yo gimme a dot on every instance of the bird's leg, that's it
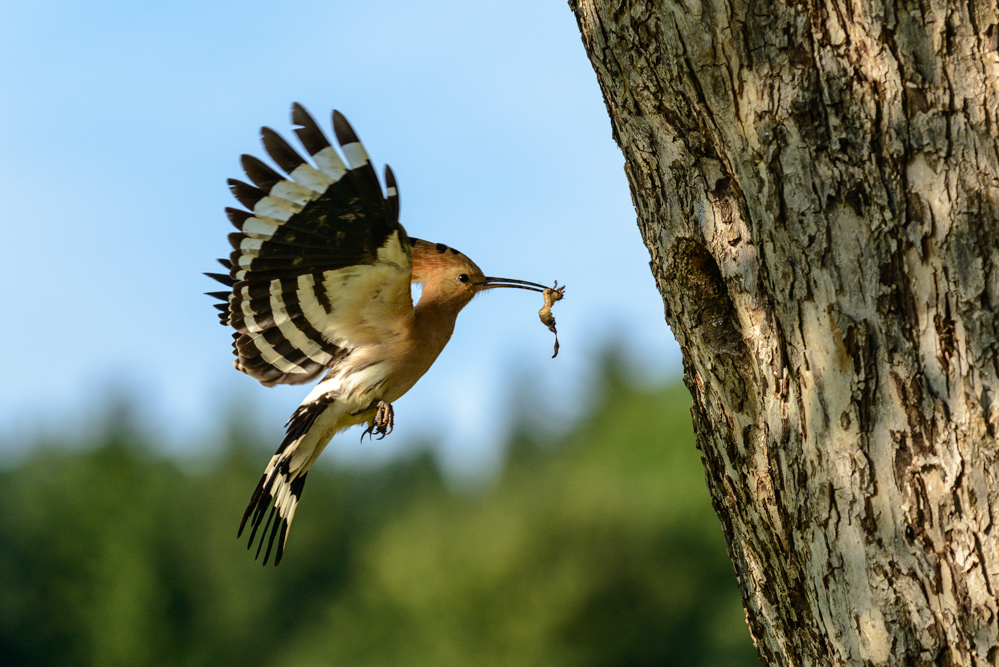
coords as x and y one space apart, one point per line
383 421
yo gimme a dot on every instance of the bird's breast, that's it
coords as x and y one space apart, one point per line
372 373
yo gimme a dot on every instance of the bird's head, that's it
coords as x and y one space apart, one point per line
451 278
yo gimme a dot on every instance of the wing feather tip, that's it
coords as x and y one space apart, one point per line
223 278
262 175
342 129
246 194
280 150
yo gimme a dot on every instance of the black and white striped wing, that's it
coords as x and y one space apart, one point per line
320 262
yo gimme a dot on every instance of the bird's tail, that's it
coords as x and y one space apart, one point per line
280 487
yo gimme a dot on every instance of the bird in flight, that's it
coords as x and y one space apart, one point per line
319 282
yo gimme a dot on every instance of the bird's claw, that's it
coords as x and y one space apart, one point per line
382 423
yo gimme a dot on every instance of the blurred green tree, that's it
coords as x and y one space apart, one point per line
597 548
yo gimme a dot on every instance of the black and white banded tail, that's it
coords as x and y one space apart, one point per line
280 488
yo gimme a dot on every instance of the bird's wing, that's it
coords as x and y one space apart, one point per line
320 264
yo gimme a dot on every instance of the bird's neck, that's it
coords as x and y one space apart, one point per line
434 323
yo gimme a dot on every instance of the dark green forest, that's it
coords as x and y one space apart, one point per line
594 547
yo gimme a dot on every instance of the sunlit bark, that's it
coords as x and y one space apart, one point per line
818 185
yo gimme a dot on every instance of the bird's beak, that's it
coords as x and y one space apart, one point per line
492 283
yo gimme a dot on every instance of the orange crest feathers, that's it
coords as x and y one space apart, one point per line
432 259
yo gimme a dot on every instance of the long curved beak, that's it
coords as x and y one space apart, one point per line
492 283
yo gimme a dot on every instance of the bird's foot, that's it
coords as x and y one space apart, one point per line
382 423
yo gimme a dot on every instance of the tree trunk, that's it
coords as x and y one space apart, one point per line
818 185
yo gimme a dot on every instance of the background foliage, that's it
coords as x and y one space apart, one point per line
597 547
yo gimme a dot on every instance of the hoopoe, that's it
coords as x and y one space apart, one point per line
320 278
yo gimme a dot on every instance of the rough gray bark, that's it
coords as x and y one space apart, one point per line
818 185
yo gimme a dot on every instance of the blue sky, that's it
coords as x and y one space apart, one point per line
120 121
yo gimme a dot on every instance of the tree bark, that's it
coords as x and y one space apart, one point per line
818 186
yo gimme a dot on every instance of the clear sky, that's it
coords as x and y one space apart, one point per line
120 121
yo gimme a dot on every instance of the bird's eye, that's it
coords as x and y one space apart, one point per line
463 278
